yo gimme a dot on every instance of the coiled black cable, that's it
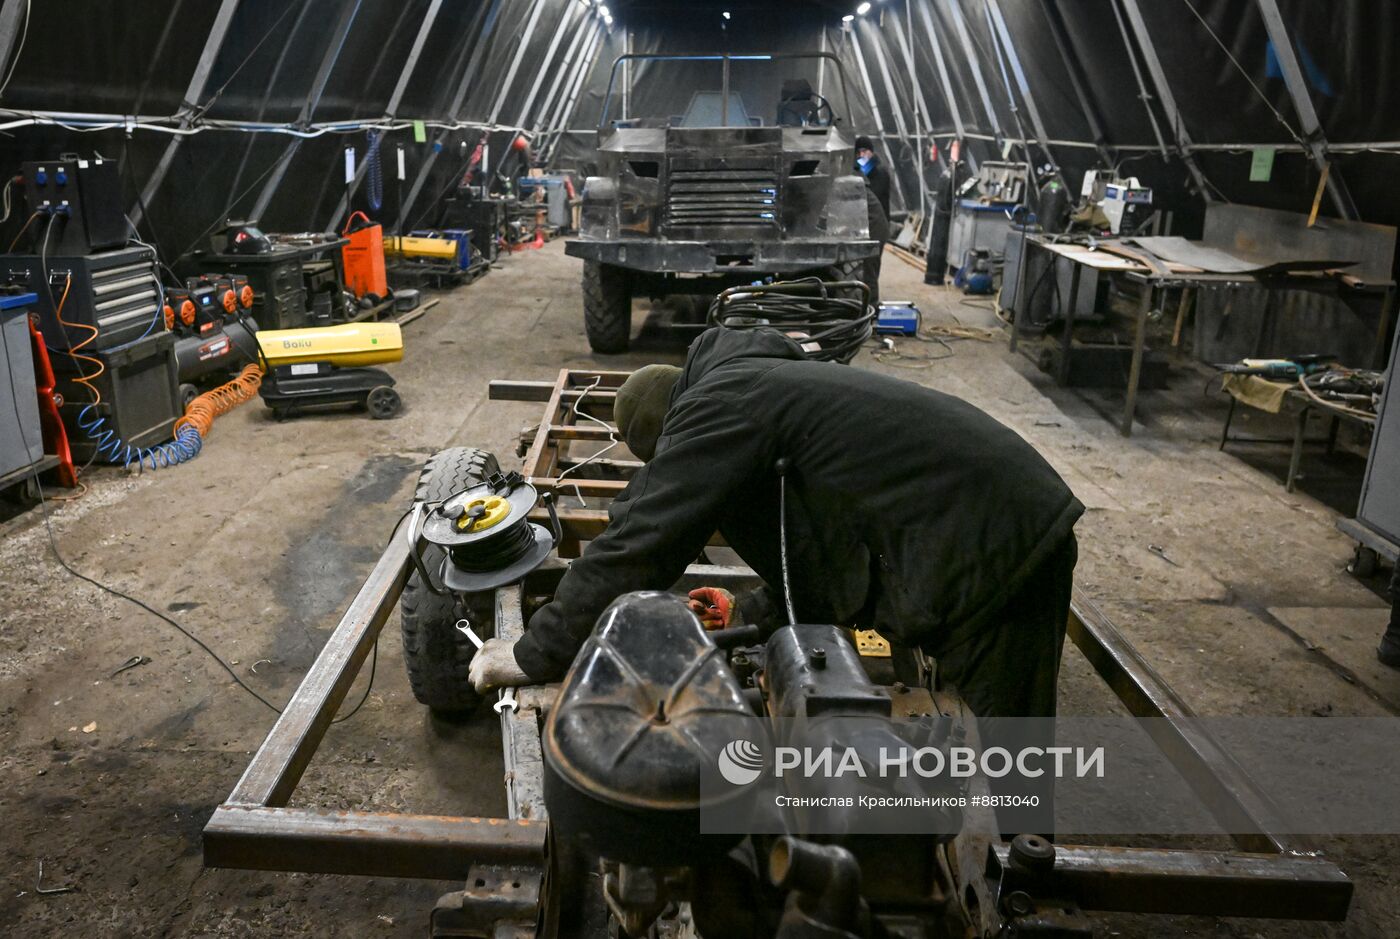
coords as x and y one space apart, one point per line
834 316
497 552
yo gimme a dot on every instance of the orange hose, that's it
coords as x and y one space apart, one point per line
75 353
202 410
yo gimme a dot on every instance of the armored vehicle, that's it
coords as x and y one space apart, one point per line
732 191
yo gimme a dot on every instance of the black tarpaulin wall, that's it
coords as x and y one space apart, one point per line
111 78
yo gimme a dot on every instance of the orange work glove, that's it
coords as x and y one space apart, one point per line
714 606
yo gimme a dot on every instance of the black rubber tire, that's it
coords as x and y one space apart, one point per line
607 307
853 270
436 654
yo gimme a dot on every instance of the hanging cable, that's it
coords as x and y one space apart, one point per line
830 320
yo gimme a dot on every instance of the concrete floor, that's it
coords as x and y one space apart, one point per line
258 544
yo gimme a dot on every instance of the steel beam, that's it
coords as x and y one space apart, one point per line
565 70
944 79
560 29
367 844
414 54
1313 137
1144 95
999 30
567 106
923 120
11 16
459 95
313 98
1164 93
520 728
875 106
520 49
1250 818
391 109
193 92
1193 883
975 64
276 769
878 44
1078 81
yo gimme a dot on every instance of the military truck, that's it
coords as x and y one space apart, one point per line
723 194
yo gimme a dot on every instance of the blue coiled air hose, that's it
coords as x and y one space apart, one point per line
114 449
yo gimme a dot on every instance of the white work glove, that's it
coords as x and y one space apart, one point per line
494 666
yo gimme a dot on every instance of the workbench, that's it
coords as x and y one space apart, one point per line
1301 405
1155 280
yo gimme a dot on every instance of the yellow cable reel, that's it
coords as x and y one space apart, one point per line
481 514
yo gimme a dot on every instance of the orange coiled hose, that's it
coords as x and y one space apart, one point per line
202 410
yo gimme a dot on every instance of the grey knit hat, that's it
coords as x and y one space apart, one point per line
641 404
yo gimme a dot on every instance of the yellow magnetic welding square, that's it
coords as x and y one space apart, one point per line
871 644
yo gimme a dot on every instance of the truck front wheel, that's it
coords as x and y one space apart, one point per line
607 307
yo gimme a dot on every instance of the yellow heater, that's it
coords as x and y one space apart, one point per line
345 345
415 247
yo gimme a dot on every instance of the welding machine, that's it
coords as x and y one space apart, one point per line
897 318
329 365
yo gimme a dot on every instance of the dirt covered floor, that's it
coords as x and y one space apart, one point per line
256 547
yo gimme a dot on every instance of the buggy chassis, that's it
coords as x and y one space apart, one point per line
503 862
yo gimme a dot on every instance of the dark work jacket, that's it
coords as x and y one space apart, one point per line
878 179
909 511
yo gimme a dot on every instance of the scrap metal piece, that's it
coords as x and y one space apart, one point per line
502 902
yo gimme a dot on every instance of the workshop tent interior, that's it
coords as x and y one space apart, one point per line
245 108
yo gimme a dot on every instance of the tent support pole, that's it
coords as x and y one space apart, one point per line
1313 137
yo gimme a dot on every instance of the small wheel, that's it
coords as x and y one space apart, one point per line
383 402
1365 562
188 393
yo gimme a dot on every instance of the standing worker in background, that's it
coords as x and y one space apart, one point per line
877 204
876 176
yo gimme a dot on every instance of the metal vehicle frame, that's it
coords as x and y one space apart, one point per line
503 861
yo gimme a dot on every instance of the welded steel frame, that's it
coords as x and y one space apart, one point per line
1270 875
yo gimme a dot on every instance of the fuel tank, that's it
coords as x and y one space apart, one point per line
345 345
